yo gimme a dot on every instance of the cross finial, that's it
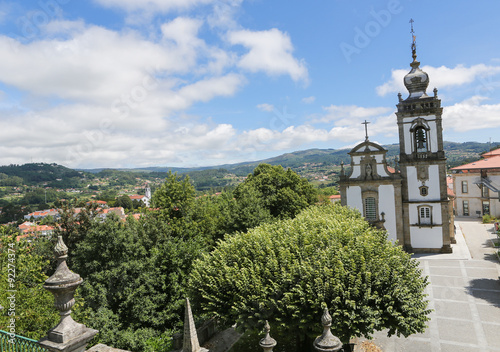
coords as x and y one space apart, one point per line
366 129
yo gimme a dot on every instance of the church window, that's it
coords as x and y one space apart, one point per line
424 215
370 209
465 187
465 206
421 139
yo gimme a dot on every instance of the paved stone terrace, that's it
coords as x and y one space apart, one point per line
464 293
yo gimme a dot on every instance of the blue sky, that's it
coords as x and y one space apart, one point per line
129 83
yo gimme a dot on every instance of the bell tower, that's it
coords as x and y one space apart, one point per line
426 220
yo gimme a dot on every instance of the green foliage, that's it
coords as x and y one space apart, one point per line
40 195
35 173
287 271
33 306
135 278
174 196
125 202
283 192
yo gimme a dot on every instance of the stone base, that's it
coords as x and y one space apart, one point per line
103 348
77 344
445 249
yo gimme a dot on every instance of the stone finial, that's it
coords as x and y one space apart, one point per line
435 92
342 172
190 342
267 343
68 335
327 342
400 99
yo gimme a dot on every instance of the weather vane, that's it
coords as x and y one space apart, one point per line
413 43
366 129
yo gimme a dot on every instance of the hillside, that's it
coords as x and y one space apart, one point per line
51 175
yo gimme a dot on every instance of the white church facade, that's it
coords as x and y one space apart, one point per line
411 203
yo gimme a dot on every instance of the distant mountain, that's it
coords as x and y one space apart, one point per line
456 153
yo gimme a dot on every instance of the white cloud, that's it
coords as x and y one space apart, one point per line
308 100
470 114
269 51
153 5
439 77
265 107
346 114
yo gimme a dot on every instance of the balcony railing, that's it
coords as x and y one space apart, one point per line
16 343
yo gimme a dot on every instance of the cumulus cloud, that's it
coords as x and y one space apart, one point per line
440 77
269 51
471 114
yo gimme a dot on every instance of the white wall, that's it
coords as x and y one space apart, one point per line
432 183
426 237
353 194
436 212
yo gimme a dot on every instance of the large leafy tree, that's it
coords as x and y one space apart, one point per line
135 276
288 271
283 192
22 295
174 196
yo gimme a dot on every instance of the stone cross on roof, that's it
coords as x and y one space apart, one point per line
366 129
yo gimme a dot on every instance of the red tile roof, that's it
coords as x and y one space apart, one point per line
491 153
486 163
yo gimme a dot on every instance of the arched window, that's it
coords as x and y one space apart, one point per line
421 139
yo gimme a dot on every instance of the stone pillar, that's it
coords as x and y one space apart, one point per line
267 343
327 342
68 335
190 343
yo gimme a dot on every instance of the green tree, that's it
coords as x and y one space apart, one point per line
283 192
135 279
21 284
174 196
125 202
288 271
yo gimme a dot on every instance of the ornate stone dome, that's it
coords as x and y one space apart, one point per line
416 81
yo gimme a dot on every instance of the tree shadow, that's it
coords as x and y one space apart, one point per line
491 257
486 290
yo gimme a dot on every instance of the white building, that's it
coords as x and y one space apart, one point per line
412 204
477 186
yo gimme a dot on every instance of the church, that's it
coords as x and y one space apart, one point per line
410 202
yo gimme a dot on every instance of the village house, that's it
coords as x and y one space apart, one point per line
477 186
